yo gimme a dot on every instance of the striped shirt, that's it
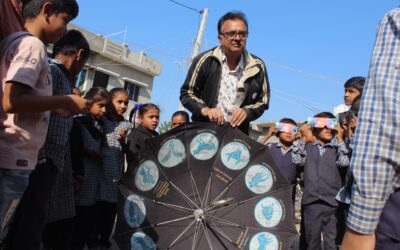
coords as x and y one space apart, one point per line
299 153
280 145
375 163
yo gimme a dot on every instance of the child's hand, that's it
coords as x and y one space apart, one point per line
298 135
78 105
353 123
122 133
271 131
340 132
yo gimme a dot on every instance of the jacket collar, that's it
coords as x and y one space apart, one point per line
250 63
144 130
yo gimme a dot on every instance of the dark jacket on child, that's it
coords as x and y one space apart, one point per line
322 178
135 142
87 135
284 162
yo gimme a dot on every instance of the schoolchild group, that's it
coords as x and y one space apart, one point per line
319 151
59 173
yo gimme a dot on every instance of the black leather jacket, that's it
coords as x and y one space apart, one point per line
201 86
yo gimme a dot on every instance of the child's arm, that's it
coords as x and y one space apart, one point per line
76 146
269 134
343 159
18 98
299 153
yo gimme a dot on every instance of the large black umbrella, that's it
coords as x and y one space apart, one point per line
203 186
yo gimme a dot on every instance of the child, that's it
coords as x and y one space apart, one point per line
115 127
285 130
321 161
149 115
87 140
353 88
25 95
179 117
305 133
344 194
70 54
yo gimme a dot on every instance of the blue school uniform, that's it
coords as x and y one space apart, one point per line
283 159
322 181
92 138
113 161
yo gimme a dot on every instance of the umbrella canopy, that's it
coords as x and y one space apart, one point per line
203 186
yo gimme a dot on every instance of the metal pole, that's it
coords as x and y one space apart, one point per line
199 39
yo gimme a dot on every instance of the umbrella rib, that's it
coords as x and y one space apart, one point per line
196 234
206 234
176 207
245 226
181 234
194 186
226 221
172 221
253 198
184 195
220 232
207 191
289 229
235 180
157 224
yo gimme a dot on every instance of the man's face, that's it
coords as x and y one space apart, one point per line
350 94
233 36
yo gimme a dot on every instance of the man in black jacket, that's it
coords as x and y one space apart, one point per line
226 83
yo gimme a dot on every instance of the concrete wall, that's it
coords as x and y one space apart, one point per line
120 64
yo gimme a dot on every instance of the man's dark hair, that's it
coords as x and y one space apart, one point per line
31 8
325 115
71 43
287 120
230 16
356 82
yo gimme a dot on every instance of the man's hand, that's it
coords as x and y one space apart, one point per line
238 117
214 115
355 241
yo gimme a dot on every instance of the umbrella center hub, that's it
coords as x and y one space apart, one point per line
199 214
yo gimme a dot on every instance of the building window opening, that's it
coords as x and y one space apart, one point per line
133 91
100 79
